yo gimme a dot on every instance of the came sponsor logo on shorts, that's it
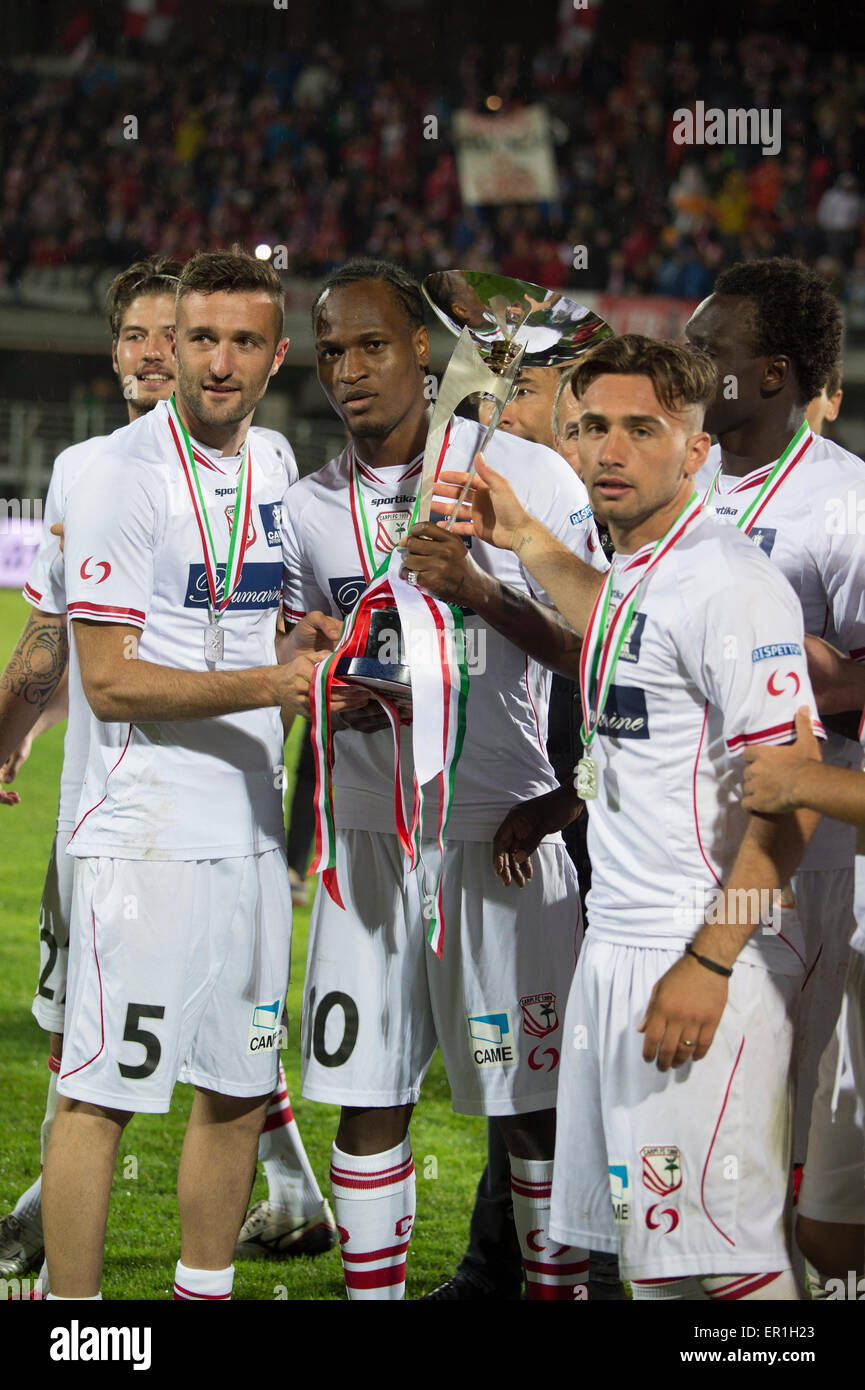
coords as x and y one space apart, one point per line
491 1039
620 1193
264 1031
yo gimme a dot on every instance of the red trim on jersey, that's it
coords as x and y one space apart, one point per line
366 472
721 1233
773 735
751 480
63 1075
293 613
205 461
813 967
31 594
367 1256
99 803
532 703
107 613
694 796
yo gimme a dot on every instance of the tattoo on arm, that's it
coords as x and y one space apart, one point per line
524 541
35 668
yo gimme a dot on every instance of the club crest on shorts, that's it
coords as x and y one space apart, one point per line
662 1168
491 1039
265 1033
539 1014
620 1193
392 526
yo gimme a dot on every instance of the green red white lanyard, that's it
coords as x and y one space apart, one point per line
220 594
371 567
603 644
782 469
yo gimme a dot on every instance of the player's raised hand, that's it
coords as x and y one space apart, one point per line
496 512
771 773
683 1014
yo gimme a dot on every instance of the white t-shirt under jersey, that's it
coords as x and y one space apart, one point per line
46 591
504 758
808 528
714 661
191 789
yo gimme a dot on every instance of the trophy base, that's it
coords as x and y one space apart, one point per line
391 680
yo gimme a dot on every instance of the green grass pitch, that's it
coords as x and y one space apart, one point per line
143 1239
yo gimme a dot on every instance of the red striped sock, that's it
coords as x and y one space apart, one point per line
552 1270
202 1285
374 1203
729 1288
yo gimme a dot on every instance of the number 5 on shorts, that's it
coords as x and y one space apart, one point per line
149 1041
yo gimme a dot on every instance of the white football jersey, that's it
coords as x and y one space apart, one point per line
504 758
813 529
46 591
191 789
713 662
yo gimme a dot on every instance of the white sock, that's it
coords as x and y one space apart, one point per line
202 1285
50 1107
553 1271
374 1202
757 1288
87 1298
291 1183
653 1290
28 1208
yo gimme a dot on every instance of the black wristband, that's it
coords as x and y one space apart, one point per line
709 964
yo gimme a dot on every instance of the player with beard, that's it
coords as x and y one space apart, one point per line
377 998
773 329
177 663
674 689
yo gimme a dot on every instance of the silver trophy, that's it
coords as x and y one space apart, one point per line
502 325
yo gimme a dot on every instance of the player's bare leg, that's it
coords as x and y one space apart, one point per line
372 1178
76 1188
553 1270
217 1165
295 1218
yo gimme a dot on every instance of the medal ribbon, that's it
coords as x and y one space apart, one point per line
239 522
450 697
781 470
602 645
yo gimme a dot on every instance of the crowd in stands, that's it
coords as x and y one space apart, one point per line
324 153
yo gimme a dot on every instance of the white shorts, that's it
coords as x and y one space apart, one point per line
833 1183
684 1172
54 913
825 902
377 999
177 970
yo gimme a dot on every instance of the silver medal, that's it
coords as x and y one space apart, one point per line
214 642
586 780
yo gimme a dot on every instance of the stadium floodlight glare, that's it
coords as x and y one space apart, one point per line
263 252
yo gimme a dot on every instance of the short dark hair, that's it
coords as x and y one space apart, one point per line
401 284
232 272
155 275
834 379
795 313
681 377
